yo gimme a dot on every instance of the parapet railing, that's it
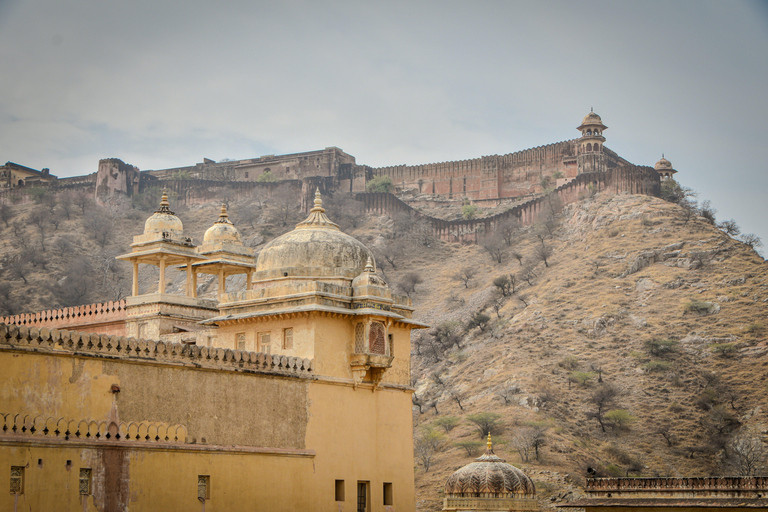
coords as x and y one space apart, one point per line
77 315
71 430
150 351
717 483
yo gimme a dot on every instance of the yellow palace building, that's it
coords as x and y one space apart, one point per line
292 394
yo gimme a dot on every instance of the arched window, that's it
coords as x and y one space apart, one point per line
589 147
377 340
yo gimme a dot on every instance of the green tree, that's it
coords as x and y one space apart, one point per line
469 211
447 423
266 177
486 422
619 419
380 184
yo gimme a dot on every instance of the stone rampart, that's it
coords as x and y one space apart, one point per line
103 317
63 342
621 180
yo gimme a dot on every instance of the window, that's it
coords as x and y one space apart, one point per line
288 340
85 481
362 496
339 490
240 341
246 174
388 493
264 342
203 487
376 338
17 479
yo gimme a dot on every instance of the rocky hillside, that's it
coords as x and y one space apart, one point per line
638 348
624 336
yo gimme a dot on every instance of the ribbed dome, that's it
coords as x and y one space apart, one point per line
592 120
223 231
489 475
164 220
316 247
663 164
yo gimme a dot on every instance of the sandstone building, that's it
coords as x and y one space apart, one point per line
292 394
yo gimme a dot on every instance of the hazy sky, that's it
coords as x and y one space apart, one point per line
166 83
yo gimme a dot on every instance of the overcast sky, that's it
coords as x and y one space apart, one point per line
165 83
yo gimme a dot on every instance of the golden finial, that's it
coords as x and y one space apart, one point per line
490 444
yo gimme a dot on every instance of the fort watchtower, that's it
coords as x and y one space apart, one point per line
589 148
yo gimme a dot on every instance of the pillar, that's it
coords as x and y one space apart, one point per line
189 278
194 284
135 287
248 280
222 282
161 281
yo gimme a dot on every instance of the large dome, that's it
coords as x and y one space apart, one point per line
592 120
223 231
489 476
164 220
317 247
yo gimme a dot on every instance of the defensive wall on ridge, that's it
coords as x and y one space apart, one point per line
619 180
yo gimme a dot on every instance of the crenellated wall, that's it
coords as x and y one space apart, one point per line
620 180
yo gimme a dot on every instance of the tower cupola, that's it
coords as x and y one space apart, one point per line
590 156
664 168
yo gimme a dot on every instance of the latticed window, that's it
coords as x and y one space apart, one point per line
17 479
241 341
85 481
377 338
265 343
360 338
288 338
203 487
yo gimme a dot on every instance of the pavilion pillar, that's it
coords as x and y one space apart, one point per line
135 286
189 278
194 284
248 280
161 281
222 282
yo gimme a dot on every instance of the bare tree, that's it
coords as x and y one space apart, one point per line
465 275
39 218
527 274
518 256
707 211
409 281
393 252
664 429
283 207
6 213
99 226
602 399
507 229
730 227
458 397
83 201
495 246
479 320
748 454
17 266
496 302
543 253
427 443
522 440
506 391
751 240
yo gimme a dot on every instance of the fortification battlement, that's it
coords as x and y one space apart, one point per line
77 315
698 484
72 343
63 429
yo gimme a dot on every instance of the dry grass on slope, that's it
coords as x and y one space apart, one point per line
587 317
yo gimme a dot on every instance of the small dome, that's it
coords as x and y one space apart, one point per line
663 164
592 120
164 220
489 475
317 247
223 231
368 277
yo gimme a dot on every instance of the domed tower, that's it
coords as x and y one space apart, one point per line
490 484
664 168
589 148
224 253
163 244
316 295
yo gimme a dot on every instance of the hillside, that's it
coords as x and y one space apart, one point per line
639 309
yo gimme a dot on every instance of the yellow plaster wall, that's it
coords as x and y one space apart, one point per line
303 335
362 435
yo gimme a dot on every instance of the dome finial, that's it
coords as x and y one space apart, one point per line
490 444
164 204
223 216
318 202
317 216
368 265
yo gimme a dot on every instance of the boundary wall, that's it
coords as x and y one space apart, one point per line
621 180
103 317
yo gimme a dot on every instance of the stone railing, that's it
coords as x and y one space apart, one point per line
78 315
705 485
490 503
72 430
148 351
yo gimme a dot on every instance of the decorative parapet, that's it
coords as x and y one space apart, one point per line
724 486
56 341
490 503
105 431
79 315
